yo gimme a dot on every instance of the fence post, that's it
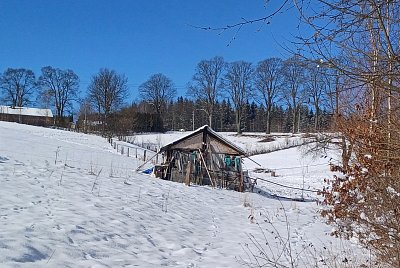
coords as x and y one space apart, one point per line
128 151
115 144
136 152
122 150
144 155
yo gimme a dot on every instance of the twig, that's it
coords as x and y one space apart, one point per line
62 173
57 151
244 21
50 256
165 207
95 181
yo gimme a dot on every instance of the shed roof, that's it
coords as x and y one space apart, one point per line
195 141
26 111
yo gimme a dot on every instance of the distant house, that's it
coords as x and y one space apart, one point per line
24 115
203 157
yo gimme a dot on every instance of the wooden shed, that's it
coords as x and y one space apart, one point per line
203 157
24 115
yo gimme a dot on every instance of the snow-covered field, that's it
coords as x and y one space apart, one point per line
70 200
252 143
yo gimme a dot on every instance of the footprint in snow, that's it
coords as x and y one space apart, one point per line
32 255
70 240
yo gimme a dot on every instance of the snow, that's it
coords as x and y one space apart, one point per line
251 143
26 111
71 200
392 191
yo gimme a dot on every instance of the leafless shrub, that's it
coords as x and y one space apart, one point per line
274 247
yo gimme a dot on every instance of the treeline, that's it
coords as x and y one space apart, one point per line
186 114
289 95
273 95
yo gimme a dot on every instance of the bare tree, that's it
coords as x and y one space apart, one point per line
18 86
107 92
206 87
293 89
268 80
61 87
85 112
362 202
316 85
158 90
238 83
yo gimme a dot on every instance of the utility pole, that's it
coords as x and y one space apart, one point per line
193 120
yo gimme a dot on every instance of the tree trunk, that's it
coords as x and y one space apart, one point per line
316 121
294 120
268 123
238 122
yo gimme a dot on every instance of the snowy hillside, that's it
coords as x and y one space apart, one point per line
70 200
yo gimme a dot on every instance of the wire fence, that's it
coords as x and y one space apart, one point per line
287 186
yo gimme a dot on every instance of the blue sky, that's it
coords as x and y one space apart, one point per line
136 38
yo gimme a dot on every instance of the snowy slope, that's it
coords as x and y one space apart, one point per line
70 200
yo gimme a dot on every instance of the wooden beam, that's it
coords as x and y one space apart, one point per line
139 167
208 172
248 157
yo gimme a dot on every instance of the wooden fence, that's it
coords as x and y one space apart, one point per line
129 150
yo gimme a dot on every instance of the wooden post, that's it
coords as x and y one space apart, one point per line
241 187
122 150
115 145
188 173
128 151
240 169
144 155
205 166
136 152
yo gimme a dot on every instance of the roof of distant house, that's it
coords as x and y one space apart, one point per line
26 111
